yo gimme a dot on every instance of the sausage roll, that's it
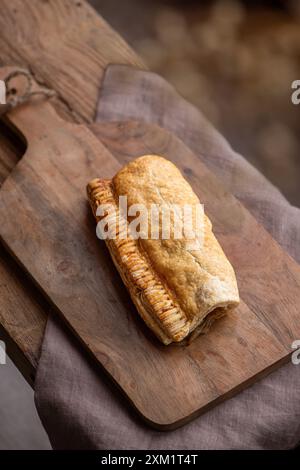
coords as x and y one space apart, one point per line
179 280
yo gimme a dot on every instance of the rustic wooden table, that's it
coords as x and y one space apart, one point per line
67 46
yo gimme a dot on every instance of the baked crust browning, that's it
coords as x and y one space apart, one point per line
159 310
178 288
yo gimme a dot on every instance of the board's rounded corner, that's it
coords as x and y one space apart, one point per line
165 425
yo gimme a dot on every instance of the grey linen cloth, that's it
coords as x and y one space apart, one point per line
77 404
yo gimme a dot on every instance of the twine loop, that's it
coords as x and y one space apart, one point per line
14 99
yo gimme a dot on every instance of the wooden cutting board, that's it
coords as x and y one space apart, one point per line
47 225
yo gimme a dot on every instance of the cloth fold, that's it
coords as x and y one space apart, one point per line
77 404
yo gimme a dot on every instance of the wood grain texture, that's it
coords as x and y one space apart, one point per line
67 45
11 150
23 310
23 316
45 195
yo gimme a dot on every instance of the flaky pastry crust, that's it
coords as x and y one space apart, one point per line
178 287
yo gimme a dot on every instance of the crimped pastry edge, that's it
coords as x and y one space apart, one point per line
190 330
168 321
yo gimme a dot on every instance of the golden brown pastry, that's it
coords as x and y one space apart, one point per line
179 285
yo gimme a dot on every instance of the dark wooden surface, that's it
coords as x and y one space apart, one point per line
67 45
44 203
23 310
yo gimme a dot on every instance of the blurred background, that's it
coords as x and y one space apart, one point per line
233 59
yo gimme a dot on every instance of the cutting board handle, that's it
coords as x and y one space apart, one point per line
31 118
